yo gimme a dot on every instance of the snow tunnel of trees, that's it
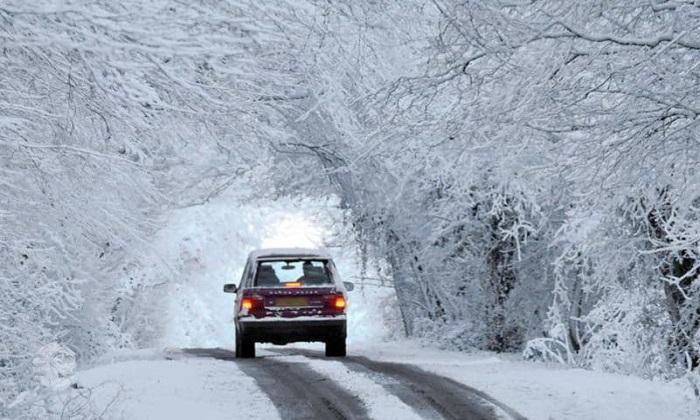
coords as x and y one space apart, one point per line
524 174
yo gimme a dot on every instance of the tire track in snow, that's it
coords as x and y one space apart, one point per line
429 394
297 391
380 403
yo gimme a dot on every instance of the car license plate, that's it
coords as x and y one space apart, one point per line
292 301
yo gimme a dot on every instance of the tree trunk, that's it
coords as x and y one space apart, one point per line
680 290
501 279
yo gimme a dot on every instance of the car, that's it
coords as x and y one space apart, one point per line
288 295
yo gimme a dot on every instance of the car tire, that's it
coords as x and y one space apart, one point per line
336 348
245 347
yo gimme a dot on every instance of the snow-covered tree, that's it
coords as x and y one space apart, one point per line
526 170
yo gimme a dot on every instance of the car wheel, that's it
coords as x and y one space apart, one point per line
245 347
336 348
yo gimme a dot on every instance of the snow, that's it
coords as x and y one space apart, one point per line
54 364
175 389
142 384
438 160
148 386
547 391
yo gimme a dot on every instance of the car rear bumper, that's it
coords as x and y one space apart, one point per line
288 330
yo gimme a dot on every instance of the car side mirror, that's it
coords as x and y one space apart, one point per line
349 286
230 288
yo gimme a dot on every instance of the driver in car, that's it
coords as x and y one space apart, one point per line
312 275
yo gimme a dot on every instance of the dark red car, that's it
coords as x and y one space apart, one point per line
289 295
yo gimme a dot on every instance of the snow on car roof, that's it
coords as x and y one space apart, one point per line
288 252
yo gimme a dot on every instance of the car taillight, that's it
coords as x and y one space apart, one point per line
247 303
337 302
251 303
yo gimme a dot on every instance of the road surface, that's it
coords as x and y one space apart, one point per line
300 392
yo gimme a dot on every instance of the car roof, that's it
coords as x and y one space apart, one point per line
289 252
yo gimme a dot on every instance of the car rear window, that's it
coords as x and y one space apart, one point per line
293 273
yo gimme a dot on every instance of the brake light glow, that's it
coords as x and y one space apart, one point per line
292 284
339 302
247 303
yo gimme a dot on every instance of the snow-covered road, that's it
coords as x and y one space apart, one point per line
387 381
286 383
305 385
